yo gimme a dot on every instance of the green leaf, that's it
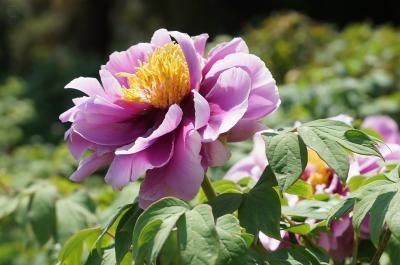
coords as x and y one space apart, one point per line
301 188
377 215
221 186
7 205
287 256
261 209
71 217
225 203
309 209
109 224
153 228
197 237
42 213
124 232
329 151
301 229
71 252
232 245
327 137
287 156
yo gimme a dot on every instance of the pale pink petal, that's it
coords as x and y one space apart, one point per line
216 153
127 61
223 49
183 174
202 110
200 43
244 129
111 85
194 64
126 168
89 86
160 38
90 164
171 121
384 125
264 97
226 111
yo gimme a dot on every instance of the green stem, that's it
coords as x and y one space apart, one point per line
355 249
381 247
208 188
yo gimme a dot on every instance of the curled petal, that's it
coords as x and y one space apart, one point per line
127 61
90 164
221 50
160 38
202 110
228 100
125 168
200 43
181 176
244 129
171 121
191 57
89 86
264 97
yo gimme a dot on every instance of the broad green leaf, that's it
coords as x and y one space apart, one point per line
225 203
169 254
124 232
7 205
71 217
393 215
308 209
72 250
232 245
287 256
287 156
377 215
42 213
110 223
221 186
327 149
301 188
327 137
153 227
301 229
197 237
261 209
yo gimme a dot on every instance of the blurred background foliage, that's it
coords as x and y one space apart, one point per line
325 63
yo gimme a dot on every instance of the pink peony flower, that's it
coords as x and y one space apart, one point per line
165 111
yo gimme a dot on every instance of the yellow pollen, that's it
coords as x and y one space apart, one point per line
322 173
162 81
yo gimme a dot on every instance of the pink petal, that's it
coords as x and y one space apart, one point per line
111 85
183 174
171 121
244 129
202 110
228 100
127 61
200 43
264 97
216 153
384 125
221 50
160 38
125 168
89 86
90 164
192 60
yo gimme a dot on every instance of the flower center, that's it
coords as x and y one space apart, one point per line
321 173
162 81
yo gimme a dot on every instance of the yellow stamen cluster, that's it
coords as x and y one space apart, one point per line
162 81
322 173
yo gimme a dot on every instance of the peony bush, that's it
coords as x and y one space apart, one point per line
164 113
